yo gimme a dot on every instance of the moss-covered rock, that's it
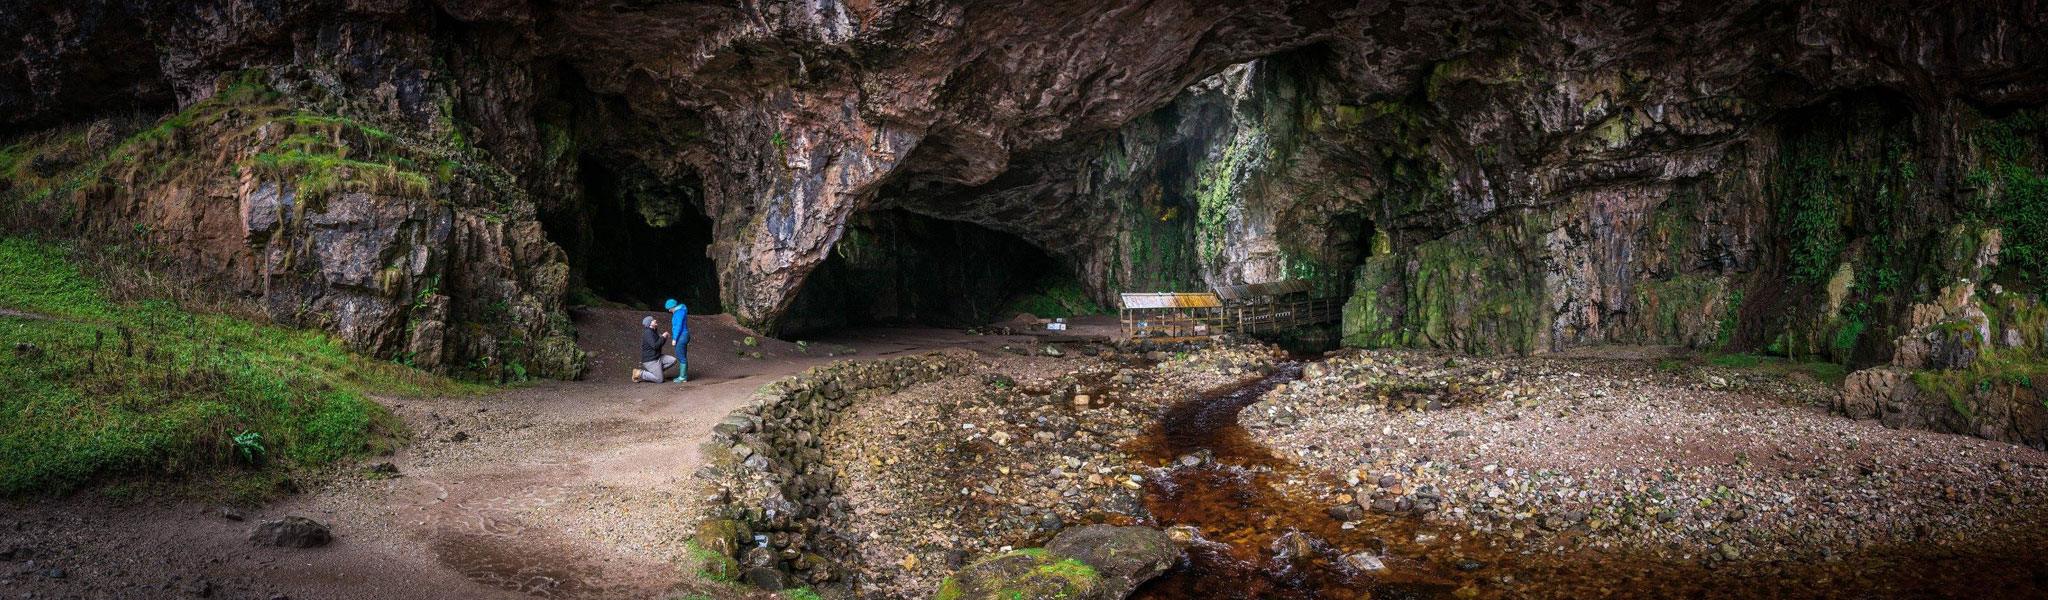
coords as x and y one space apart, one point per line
710 564
1124 556
1027 574
1096 561
1476 290
723 536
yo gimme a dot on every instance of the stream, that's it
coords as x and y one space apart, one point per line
1260 539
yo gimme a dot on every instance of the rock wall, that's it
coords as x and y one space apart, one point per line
1968 360
1481 175
1554 178
769 474
400 247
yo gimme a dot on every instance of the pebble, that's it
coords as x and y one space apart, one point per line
1365 562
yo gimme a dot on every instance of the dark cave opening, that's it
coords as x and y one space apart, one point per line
898 267
637 240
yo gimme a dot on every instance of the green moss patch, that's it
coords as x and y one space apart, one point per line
1469 291
2013 189
1023 574
100 389
711 565
244 128
1825 372
1056 297
1960 388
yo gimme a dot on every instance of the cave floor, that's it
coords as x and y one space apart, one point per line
584 489
556 489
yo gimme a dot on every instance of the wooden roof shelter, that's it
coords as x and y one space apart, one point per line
1250 309
1170 316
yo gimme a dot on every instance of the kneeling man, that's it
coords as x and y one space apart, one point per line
653 364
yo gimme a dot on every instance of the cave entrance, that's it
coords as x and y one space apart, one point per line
637 239
898 267
1349 245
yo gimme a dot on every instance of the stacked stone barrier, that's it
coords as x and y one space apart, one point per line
777 507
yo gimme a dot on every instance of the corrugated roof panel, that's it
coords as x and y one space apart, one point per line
1171 300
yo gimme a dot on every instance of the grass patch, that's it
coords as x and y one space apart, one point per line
802 593
1737 361
318 154
103 389
1984 376
1830 373
1055 297
710 564
321 171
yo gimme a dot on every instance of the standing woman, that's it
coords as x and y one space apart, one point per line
679 331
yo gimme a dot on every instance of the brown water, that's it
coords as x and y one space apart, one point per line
1238 502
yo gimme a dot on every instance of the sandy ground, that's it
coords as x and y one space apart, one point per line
555 490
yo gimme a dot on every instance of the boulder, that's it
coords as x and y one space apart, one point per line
1027 574
1092 562
723 536
1124 556
766 578
292 532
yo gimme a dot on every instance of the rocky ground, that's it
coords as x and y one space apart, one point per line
954 470
1674 465
1582 476
1585 476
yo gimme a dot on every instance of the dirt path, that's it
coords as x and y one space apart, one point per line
7 312
557 490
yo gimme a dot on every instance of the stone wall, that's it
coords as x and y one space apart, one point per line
777 501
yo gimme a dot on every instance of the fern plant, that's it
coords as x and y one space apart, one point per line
249 446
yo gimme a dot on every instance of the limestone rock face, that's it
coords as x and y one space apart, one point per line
1479 175
318 221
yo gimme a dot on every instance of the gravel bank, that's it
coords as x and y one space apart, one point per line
1692 466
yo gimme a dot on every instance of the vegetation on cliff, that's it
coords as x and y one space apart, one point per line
2014 188
245 190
